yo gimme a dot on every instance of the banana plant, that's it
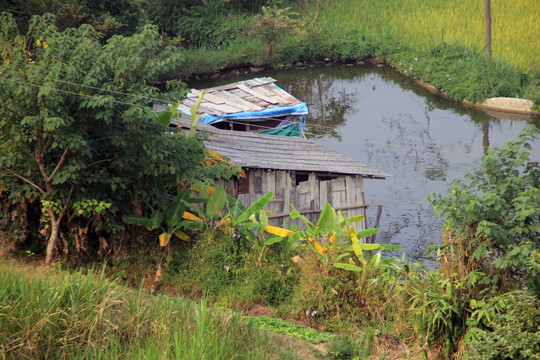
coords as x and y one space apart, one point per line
165 117
331 229
170 218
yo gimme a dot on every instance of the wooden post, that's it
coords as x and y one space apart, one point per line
487 15
377 222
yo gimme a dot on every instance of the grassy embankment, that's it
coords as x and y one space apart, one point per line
438 42
49 314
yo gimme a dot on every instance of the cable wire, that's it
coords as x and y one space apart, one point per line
269 127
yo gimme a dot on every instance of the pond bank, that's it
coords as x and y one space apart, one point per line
498 107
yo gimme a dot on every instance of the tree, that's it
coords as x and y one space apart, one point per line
77 133
493 237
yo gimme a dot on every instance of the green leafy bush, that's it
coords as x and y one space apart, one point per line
504 327
77 128
493 219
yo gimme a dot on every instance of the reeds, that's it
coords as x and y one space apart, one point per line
73 316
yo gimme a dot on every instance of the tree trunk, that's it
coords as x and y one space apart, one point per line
487 15
53 238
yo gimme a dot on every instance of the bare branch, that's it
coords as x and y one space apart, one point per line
99 162
62 159
34 185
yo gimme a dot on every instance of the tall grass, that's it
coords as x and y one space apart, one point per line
73 316
515 28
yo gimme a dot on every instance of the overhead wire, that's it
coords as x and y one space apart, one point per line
107 99
78 94
102 89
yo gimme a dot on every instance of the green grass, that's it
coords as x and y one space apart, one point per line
280 326
441 39
515 27
58 315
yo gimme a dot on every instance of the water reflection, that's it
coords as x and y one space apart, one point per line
384 120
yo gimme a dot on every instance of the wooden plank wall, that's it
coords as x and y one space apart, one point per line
309 196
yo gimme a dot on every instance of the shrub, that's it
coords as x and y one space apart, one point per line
492 218
505 327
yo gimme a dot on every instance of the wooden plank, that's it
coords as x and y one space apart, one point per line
287 194
338 190
222 87
270 181
258 183
206 108
257 94
323 192
350 188
207 96
238 102
281 179
264 184
301 195
317 211
251 98
243 199
218 109
314 191
360 185
261 89
183 107
285 96
252 173
329 197
188 102
260 81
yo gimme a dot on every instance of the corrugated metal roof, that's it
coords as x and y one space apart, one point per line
259 151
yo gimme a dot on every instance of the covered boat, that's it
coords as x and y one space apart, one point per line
256 105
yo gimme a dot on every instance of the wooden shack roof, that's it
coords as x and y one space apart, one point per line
249 95
259 151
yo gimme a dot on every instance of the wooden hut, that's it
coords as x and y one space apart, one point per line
257 105
296 170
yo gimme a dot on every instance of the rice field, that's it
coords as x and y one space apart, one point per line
515 24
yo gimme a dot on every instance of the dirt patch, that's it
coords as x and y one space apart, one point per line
259 310
308 351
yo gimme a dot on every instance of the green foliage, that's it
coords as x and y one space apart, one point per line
73 131
493 219
209 25
490 247
271 24
280 326
57 315
274 283
108 17
332 230
438 308
342 347
504 327
462 72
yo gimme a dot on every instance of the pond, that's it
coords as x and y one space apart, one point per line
391 124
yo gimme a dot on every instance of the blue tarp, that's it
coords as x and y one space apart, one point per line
299 110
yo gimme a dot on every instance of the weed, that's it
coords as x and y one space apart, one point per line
342 347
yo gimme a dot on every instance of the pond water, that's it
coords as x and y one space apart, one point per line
391 124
